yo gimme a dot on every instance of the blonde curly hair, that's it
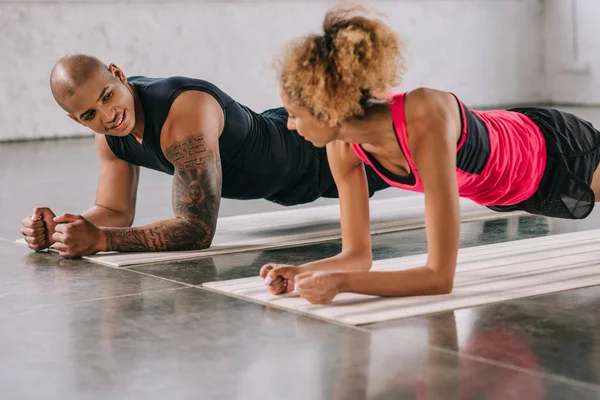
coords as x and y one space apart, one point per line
332 74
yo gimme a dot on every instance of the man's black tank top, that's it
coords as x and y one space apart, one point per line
260 157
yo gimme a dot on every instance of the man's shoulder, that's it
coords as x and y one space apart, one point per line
195 103
169 85
193 113
165 92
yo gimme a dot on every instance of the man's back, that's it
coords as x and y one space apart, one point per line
260 157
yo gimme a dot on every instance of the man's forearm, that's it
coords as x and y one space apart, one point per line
104 217
168 235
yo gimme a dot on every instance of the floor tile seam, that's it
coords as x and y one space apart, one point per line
42 306
558 378
121 268
10 241
187 285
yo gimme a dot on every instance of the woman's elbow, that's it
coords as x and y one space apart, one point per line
360 261
443 284
444 287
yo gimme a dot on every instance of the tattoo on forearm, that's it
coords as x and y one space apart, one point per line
196 198
136 239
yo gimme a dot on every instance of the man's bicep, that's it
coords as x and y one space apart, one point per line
197 181
190 141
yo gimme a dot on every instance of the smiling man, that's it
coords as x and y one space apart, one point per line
212 145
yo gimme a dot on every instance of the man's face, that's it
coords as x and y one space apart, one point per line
104 103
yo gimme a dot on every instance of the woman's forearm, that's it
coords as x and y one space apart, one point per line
411 282
340 262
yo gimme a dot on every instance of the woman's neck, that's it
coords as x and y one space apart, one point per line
374 129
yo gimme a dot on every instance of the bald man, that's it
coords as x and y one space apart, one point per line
212 145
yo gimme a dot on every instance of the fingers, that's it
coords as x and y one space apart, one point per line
298 279
59 236
36 242
61 248
278 286
265 270
285 278
279 278
32 221
318 287
273 272
40 210
271 277
308 288
62 228
276 278
43 213
67 218
35 239
33 232
64 250
285 272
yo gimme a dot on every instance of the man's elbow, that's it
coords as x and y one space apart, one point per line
128 220
199 237
203 245
128 216
191 245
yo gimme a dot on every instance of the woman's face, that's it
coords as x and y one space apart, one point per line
300 119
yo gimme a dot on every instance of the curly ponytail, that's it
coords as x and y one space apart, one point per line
332 74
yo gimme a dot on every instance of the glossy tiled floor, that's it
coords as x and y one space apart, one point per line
74 330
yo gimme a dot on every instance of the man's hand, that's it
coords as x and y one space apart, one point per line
75 236
38 228
279 278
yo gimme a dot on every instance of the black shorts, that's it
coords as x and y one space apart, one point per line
573 153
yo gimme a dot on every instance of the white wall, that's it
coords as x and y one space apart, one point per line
487 51
572 49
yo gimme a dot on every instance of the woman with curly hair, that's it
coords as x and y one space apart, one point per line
336 88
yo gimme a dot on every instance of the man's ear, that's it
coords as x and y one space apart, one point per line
117 73
74 118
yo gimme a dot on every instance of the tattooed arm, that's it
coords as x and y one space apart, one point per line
190 141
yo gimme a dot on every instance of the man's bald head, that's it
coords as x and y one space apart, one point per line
72 71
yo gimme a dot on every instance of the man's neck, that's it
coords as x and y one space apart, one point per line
138 129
